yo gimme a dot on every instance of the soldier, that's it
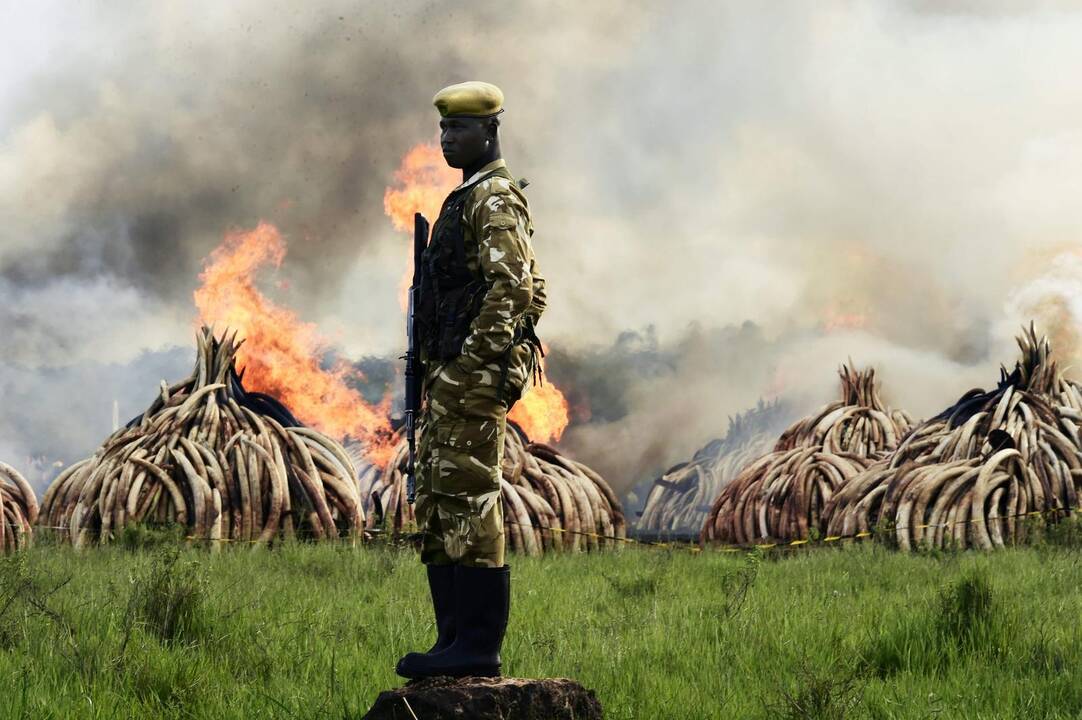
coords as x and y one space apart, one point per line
481 296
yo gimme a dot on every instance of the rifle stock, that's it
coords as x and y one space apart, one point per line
414 368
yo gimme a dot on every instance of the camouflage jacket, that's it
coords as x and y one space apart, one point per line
497 230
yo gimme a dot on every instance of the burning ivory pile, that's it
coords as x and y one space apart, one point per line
973 475
18 510
550 502
782 495
225 463
681 497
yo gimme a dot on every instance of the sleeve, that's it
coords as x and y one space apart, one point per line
501 222
540 297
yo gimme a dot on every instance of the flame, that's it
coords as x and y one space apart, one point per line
542 413
282 353
422 181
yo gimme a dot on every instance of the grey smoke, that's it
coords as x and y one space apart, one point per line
638 405
64 413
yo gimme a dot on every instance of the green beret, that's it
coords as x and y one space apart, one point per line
469 99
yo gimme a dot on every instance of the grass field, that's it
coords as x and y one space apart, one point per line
314 632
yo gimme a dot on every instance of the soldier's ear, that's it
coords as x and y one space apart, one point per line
493 128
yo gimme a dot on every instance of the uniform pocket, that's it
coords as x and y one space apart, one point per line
467 456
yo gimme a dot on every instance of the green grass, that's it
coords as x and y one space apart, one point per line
314 632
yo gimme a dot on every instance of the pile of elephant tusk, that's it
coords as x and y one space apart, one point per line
681 497
783 495
969 476
18 510
551 503
224 463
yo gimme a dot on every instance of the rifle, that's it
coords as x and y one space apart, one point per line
414 369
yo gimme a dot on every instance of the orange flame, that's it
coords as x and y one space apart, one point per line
282 353
423 180
542 413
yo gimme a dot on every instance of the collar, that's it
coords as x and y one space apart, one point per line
494 165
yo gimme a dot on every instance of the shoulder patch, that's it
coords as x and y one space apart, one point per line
502 221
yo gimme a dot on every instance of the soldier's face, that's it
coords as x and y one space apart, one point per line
463 140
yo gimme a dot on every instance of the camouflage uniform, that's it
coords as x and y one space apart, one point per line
464 420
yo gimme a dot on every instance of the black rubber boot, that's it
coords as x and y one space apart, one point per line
483 603
441 584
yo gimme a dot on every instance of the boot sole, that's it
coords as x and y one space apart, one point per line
475 671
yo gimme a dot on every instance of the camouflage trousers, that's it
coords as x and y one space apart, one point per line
459 508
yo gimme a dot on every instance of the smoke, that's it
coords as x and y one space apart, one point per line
1053 300
210 119
61 414
693 165
638 405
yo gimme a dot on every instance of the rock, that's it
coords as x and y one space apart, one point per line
446 698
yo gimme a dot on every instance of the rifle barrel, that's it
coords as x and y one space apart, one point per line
414 370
